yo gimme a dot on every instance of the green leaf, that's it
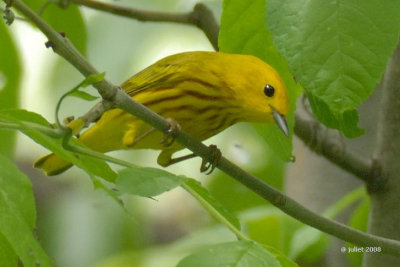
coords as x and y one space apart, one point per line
83 95
282 258
239 254
243 30
345 122
80 94
66 19
87 163
10 75
278 142
93 78
8 257
89 80
109 190
146 182
16 115
18 215
264 225
338 50
214 207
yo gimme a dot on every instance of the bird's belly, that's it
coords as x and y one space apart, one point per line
117 129
196 127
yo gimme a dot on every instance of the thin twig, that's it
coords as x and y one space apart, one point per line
201 16
95 154
4 11
96 111
27 126
123 101
44 6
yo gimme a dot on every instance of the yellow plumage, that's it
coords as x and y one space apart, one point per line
205 92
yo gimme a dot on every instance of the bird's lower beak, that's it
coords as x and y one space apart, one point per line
281 122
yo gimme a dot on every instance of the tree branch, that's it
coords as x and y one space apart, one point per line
122 100
313 134
95 112
384 214
201 16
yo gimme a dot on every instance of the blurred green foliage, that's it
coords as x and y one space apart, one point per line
10 77
80 226
66 19
17 219
359 220
242 253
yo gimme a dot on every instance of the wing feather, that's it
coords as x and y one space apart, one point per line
168 72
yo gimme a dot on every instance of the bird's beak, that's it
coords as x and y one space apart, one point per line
280 121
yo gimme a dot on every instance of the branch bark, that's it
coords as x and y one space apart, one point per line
313 134
201 16
112 94
384 219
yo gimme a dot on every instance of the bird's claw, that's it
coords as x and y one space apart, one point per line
169 137
209 166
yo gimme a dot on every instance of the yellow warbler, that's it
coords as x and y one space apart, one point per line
204 92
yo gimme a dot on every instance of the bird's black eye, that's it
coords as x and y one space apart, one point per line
269 90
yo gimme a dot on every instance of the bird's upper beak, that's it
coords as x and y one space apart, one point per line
281 122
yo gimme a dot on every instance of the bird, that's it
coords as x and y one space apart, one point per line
201 93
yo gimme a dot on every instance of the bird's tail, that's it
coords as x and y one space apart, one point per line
52 164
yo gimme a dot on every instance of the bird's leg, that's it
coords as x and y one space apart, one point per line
174 127
169 137
165 159
209 166
139 138
165 162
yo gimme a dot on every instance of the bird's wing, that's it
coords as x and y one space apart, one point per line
158 75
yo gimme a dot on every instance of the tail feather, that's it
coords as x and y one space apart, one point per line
52 164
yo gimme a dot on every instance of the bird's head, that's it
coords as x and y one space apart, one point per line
262 93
